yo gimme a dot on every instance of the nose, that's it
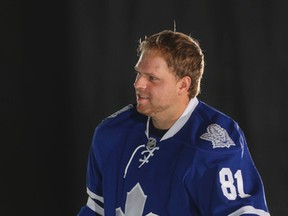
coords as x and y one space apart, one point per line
140 82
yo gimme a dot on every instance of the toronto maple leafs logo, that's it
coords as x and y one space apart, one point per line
135 203
218 136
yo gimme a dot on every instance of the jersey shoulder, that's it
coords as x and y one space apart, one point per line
122 118
123 123
114 131
216 131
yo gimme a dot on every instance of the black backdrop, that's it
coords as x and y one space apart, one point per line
65 65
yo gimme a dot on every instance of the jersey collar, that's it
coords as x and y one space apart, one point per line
179 123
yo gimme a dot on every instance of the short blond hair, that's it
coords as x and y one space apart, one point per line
182 54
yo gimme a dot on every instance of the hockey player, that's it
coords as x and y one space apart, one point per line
171 154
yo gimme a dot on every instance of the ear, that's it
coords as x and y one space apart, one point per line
184 85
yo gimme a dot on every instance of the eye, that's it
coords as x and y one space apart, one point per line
151 78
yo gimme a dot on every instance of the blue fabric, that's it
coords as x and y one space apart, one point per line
187 175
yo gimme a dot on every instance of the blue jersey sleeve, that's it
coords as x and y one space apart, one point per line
95 202
227 180
98 154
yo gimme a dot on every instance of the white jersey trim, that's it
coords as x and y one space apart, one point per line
95 196
179 123
94 206
170 133
249 210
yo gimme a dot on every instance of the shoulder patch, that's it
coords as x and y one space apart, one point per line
130 106
218 136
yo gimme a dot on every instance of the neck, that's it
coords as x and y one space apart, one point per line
165 121
164 124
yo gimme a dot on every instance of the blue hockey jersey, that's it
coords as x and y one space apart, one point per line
201 166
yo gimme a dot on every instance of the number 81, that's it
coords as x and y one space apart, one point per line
227 184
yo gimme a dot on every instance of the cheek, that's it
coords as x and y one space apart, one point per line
164 94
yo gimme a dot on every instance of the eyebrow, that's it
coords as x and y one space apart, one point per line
146 73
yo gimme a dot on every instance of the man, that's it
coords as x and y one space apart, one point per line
172 154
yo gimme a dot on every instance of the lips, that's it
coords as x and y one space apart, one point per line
141 97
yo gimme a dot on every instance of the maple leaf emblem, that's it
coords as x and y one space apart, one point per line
135 202
218 136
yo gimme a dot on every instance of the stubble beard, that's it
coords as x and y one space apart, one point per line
151 109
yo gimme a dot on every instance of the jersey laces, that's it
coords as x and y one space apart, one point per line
147 153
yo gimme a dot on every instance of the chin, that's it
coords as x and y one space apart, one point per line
142 110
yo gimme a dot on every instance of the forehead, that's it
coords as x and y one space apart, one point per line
151 61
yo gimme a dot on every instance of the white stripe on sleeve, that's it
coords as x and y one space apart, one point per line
95 196
95 207
249 210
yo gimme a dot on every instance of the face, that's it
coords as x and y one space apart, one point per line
157 88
